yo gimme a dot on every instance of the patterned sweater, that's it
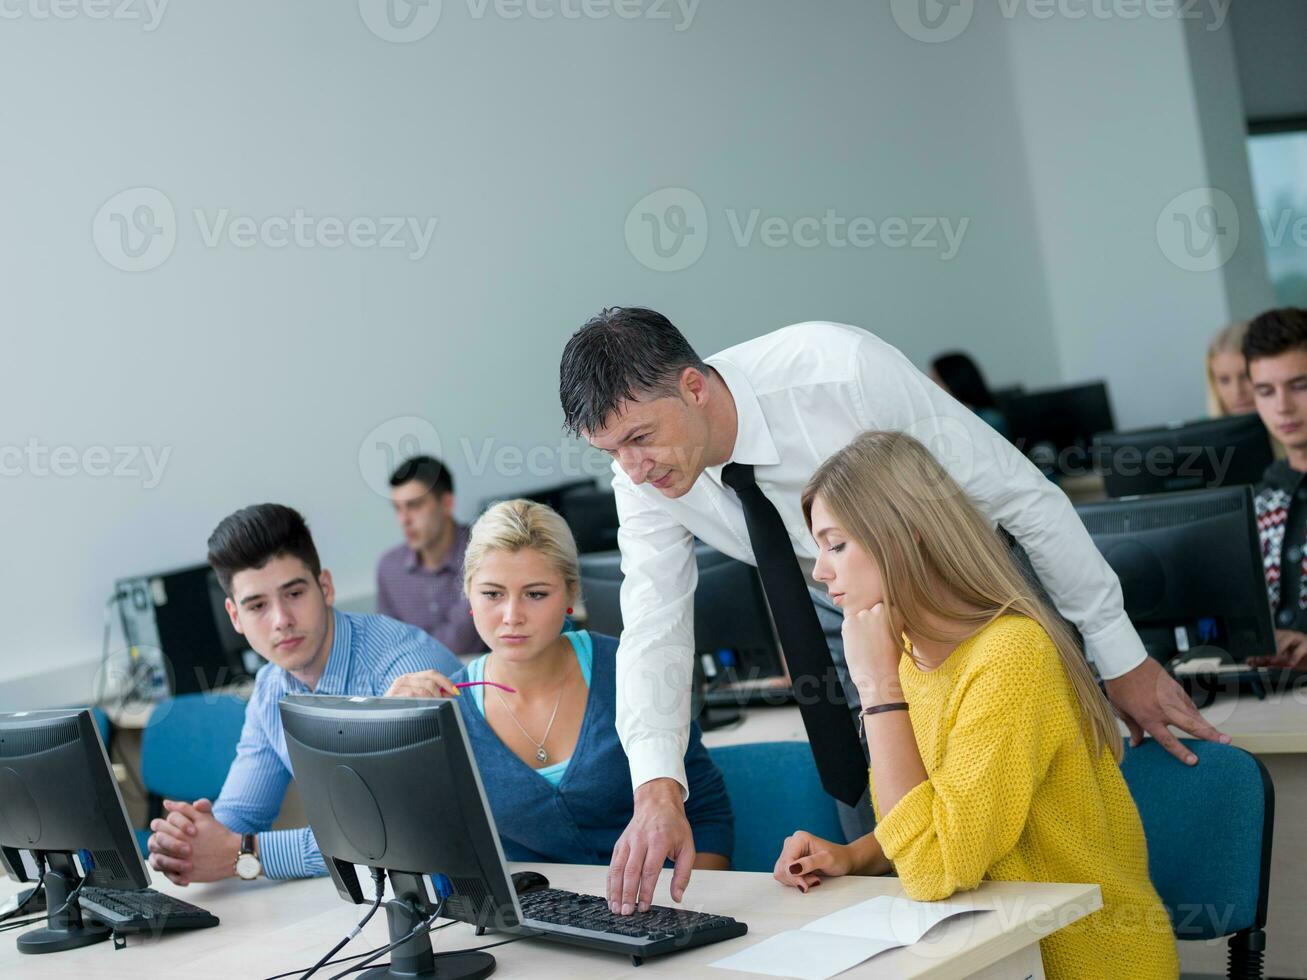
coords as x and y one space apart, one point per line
1013 793
1281 501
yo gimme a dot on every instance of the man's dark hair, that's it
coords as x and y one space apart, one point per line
624 353
253 536
1274 332
428 471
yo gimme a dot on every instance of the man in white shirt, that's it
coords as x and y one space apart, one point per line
633 386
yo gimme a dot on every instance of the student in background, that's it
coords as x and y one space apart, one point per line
1275 347
993 752
960 376
420 581
1229 391
279 597
553 767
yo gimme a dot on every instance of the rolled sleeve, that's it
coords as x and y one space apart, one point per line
290 854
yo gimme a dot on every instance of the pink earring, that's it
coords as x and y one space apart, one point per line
569 610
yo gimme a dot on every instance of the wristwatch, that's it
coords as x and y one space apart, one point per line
247 862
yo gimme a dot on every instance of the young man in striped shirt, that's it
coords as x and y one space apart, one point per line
280 599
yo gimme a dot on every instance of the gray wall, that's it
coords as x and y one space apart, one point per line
274 372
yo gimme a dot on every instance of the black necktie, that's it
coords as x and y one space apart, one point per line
835 746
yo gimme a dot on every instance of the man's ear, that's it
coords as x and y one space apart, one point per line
694 385
447 505
231 614
328 587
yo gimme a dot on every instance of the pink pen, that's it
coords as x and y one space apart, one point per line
502 687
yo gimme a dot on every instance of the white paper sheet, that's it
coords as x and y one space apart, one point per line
839 941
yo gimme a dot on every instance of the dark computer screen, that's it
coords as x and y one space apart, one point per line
1190 565
591 514
1056 427
1195 455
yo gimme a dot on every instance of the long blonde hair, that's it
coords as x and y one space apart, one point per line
512 525
895 499
1228 340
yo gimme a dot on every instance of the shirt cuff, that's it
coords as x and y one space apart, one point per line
1115 649
903 824
658 758
290 854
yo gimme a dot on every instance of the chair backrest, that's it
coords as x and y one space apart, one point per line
774 790
189 744
1208 829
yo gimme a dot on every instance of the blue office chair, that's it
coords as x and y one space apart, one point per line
187 748
103 724
774 790
1208 829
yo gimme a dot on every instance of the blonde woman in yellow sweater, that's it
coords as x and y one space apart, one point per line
993 752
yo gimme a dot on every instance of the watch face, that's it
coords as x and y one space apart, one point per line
247 866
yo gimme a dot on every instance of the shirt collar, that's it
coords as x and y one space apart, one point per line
753 441
1282 476
335 676
453 557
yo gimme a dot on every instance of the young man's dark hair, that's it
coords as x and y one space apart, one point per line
625 352
1274 332
253 536
428 471
961 375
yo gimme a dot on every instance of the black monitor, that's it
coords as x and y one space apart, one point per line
591 513
1190 565
739 658
1056 427
1186 456
391 783
552 495
60 809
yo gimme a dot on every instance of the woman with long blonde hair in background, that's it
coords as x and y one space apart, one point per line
1229 392
994 755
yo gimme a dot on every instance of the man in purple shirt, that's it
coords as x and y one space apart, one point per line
421 581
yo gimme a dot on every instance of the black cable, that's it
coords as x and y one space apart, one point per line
378 878
422 927
40 887
21 923
455 952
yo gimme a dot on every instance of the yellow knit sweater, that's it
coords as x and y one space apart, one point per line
1014 794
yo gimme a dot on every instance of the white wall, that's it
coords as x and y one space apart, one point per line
264 371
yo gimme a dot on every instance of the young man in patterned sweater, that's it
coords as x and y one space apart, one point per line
1275 348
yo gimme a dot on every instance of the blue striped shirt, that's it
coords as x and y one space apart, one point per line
367 654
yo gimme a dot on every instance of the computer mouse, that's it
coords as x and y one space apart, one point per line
525 882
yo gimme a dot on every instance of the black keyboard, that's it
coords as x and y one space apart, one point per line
143 911
584 920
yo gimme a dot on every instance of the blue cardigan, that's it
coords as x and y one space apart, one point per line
579 820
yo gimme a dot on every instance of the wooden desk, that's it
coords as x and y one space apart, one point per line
1274 730
268 928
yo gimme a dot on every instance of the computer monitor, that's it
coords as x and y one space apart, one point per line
1186 456
60 807
181 614
552 495
1056 427
591 514
739 656
391 783
1190 565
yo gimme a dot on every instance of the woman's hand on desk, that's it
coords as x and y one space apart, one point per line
806 859
1290 652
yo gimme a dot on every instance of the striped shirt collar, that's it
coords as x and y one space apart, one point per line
335 676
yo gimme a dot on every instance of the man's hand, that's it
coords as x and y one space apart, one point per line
424 684
1148 700
658 830
1290 652
190 845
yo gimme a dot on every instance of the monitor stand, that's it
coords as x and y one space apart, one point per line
64 928
415 959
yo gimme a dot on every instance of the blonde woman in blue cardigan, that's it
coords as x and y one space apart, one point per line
542 722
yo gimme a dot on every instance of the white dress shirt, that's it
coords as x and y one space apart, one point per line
801 394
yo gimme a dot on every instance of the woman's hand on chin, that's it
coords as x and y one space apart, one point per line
871 650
